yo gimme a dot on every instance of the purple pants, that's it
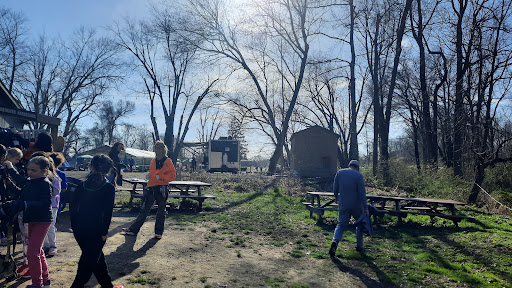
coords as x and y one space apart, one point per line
35 254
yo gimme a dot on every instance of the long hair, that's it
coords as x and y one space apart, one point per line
101 165
161 143
51 166
58 159
44 142
116 146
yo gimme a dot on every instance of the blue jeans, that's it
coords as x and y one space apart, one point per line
343 220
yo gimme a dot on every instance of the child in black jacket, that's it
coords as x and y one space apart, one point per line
91 212
35 202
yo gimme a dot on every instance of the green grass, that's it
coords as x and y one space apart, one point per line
416 253
143 280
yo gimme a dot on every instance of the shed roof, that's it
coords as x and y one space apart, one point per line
11 101
136 153
312 128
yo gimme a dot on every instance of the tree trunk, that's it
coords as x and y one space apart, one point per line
428 146
384 127
169 141
354 150
479 179
278 153
376 99
458 127
415 139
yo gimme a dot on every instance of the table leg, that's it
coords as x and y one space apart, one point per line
452 208
397 208
131 194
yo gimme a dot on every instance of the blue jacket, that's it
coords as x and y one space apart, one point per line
349 189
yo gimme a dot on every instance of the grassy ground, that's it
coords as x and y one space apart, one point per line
416 253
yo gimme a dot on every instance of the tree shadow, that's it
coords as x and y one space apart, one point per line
385 281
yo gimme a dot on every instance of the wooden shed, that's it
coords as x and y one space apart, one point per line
314 152
9 108
12 114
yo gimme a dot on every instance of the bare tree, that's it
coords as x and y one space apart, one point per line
128 134
493 79
109 115
13 38
210 121
273 56
66 79
145 139
166 65
379 46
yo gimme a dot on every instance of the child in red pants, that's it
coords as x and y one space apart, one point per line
35 202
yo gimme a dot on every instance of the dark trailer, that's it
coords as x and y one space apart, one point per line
224 155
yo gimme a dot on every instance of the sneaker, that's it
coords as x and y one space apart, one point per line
118 286
360 249
158 236
332 250
52 251
25 274
22 269
35 286
47 284
128 232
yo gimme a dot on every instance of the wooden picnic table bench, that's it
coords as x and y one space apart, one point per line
178 189
400 206
184 188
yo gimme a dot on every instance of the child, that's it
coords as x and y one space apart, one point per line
50 241
35 202
161 172
91 212
14 155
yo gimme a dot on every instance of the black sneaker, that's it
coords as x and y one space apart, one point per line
332 250
360 249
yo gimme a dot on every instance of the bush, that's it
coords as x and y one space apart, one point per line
498 182
434 184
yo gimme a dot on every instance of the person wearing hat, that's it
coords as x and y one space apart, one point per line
349 191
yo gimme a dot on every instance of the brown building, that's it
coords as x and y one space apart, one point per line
314 152
9 108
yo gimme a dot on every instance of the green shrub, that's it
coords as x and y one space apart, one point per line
498 182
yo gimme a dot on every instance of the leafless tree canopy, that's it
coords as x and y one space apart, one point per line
438 69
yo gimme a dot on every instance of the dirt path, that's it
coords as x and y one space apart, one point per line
191 256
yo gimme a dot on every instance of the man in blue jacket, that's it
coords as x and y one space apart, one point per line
350 193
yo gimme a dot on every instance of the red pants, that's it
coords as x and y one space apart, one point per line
35 254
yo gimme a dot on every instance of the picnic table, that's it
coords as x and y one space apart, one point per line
185 188
178 189
400 206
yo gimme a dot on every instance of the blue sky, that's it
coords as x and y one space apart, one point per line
61 18
64 16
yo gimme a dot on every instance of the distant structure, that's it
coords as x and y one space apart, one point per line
314 152
224 155
13 117
9 109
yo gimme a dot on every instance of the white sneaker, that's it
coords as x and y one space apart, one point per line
52 251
